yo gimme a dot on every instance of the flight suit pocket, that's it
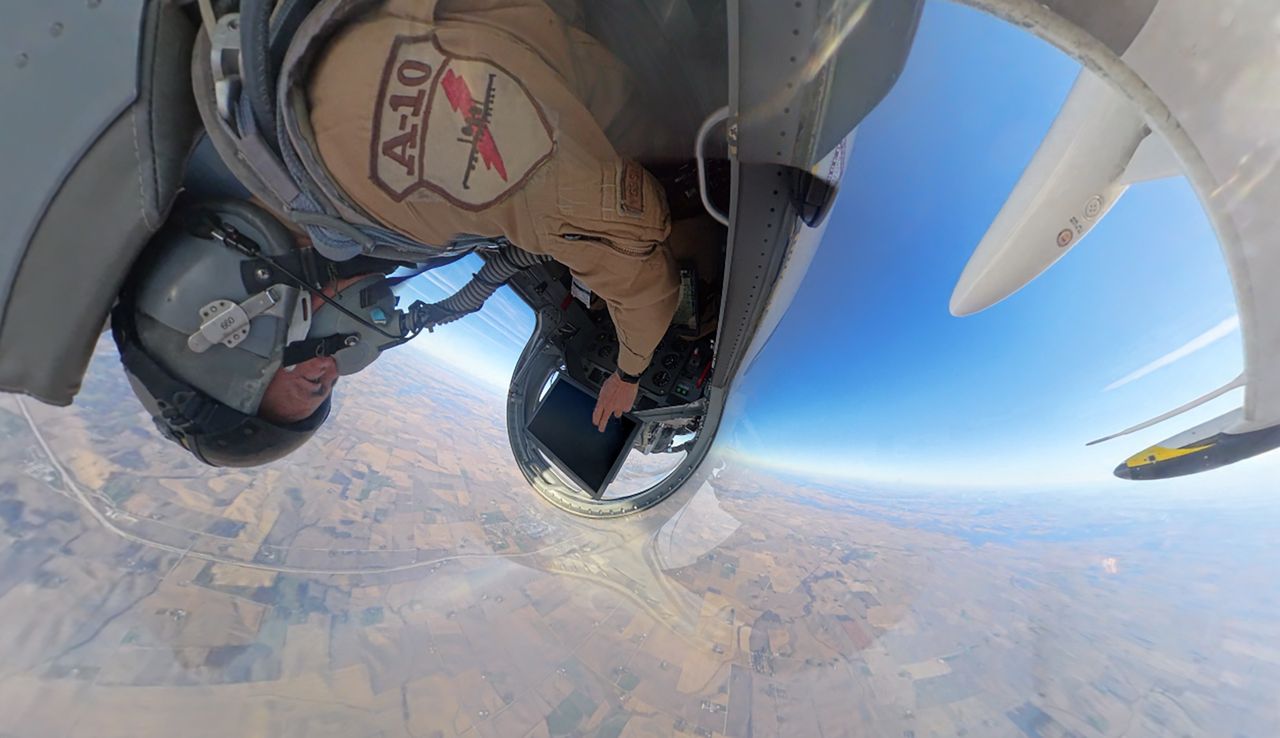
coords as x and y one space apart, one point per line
620 207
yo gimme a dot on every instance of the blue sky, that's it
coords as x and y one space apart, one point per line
901 390
485 345
870 378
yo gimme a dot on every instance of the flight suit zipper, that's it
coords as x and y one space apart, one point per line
634 253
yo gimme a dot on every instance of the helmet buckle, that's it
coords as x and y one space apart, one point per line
225 322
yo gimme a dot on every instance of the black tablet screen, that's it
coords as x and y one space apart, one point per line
562 425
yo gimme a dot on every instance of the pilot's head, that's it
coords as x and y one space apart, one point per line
227 340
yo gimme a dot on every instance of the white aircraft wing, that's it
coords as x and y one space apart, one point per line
1188 93
1075 177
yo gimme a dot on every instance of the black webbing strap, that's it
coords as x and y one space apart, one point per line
300 351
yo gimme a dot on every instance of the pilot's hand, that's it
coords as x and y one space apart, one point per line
616 398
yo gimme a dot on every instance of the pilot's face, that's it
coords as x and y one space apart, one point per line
297 392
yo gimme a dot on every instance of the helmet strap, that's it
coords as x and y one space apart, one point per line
300 351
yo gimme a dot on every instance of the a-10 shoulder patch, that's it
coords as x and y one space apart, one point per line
463 128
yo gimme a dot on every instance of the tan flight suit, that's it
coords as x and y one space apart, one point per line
488 117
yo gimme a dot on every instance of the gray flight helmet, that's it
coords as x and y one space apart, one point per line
200 340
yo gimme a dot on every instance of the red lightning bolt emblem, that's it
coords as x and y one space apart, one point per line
476 121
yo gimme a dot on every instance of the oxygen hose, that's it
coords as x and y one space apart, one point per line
502 266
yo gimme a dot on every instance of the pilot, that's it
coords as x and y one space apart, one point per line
498 118
233 336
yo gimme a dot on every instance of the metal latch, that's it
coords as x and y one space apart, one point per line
227 323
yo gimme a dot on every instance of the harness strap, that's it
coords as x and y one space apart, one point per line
207 17
255 61
288 17
262 157
296 138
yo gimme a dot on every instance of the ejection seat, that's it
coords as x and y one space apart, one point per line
99 122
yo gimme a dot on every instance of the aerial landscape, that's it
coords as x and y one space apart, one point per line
918 472
381 588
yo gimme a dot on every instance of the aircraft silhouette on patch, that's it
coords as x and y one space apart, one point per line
475 126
